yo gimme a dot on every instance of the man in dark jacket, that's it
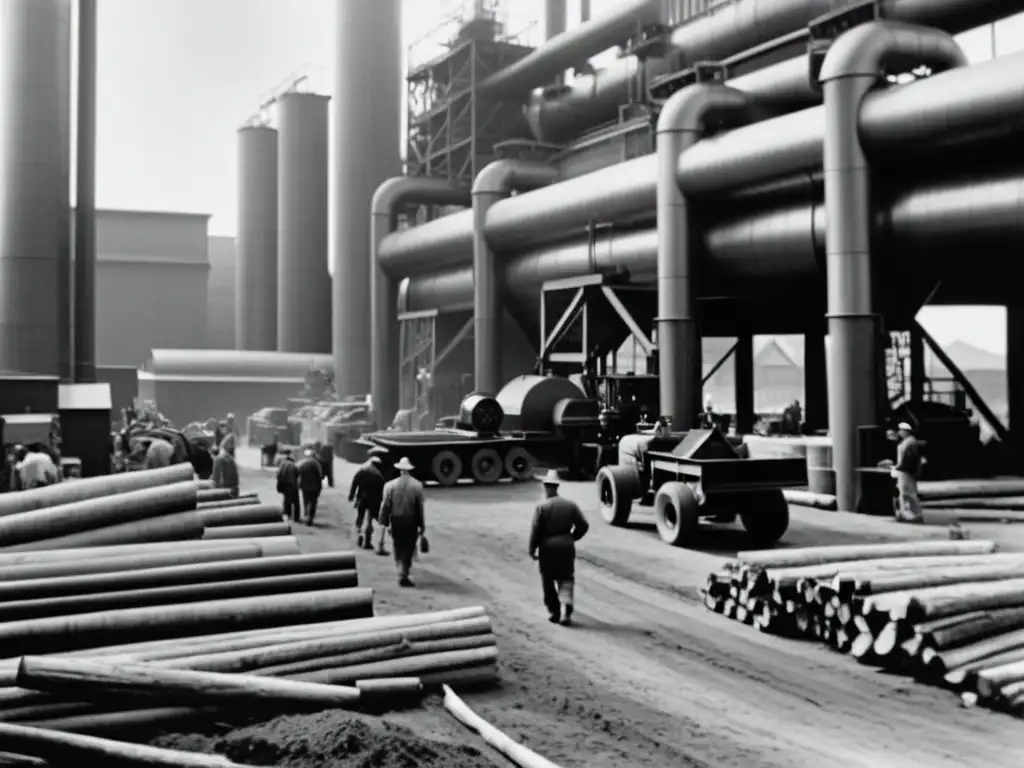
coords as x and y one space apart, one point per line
311 481
325 455
907 471
558 524
401 512
225 469
288 486
367 492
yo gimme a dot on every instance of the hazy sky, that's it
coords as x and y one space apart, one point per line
177 77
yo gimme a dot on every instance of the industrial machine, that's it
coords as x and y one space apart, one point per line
140 435
698 475
532 420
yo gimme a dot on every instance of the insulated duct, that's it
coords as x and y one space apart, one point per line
572 48
84 325
945 109
947 222
725 32
496 181
383 349
687 116
852 67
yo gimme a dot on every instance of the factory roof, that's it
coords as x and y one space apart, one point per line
230 364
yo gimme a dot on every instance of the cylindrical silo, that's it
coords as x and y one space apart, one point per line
303 281
365 144
35 164
256 240
84 325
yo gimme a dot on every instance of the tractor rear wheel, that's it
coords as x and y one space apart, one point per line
765 516
676 514
446 467
486 466
519 463
617 486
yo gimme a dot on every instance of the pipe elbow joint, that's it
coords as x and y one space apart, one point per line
503 176
868 49
421 189
696 107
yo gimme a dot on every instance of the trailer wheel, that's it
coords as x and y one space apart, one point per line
519 463
617 486
765 516
447 467
676 513
486 466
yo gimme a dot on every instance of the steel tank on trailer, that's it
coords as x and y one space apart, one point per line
303 281
365 146
35 163
256 243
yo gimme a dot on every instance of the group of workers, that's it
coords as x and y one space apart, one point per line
301 482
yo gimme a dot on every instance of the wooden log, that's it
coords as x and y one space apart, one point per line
939 602
247 531
902 581
940 662
253 514
105 565
380 654
10 760
963 674
823 501
66 748
66 519
67 605
990 680
919 634
14 559
126 722
133 683
181 526
192 574
383 694
517 753
66 633
92 488
243 501
213 494
979 626
469 676
886 564
788 558
410 666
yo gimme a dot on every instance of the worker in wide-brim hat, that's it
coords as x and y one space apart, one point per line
907 471
367 493
402 514
558 523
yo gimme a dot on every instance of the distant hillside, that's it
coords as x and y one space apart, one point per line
967 357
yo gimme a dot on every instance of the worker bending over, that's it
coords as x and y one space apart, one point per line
36 468
401 512
288 486
366 493
558 524
311 482
225 468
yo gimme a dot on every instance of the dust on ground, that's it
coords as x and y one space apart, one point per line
647 678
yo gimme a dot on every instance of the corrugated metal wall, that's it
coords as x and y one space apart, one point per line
256 245
303 281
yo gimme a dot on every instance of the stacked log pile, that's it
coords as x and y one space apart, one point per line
945 612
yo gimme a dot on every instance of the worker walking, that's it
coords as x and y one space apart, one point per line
907 471
401 513
366 493
288 486
311 482
558 524
225 468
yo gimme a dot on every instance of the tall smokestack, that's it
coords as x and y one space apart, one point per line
85 207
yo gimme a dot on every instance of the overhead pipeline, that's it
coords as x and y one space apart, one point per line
979 219
852 68
951 107
381 347
724 32
572 48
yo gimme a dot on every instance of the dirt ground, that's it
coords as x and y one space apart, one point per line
648 677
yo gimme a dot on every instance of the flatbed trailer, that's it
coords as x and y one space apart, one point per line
694 476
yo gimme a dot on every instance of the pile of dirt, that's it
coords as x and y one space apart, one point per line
329 740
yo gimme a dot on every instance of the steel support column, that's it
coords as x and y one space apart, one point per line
743 360
815 382
1015 376
84 330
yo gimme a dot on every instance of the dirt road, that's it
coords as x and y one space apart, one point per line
648 677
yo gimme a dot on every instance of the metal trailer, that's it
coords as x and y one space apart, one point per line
534 420
698 475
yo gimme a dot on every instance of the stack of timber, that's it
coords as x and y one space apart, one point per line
946 612
158 505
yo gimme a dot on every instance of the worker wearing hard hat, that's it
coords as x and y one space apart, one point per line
907 471
558 523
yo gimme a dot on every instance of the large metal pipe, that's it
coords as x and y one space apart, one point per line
303 281
84 325
256 250
728 31
573 47
365 148
940 222
852 68
684 119
496 181
35 214
387 200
